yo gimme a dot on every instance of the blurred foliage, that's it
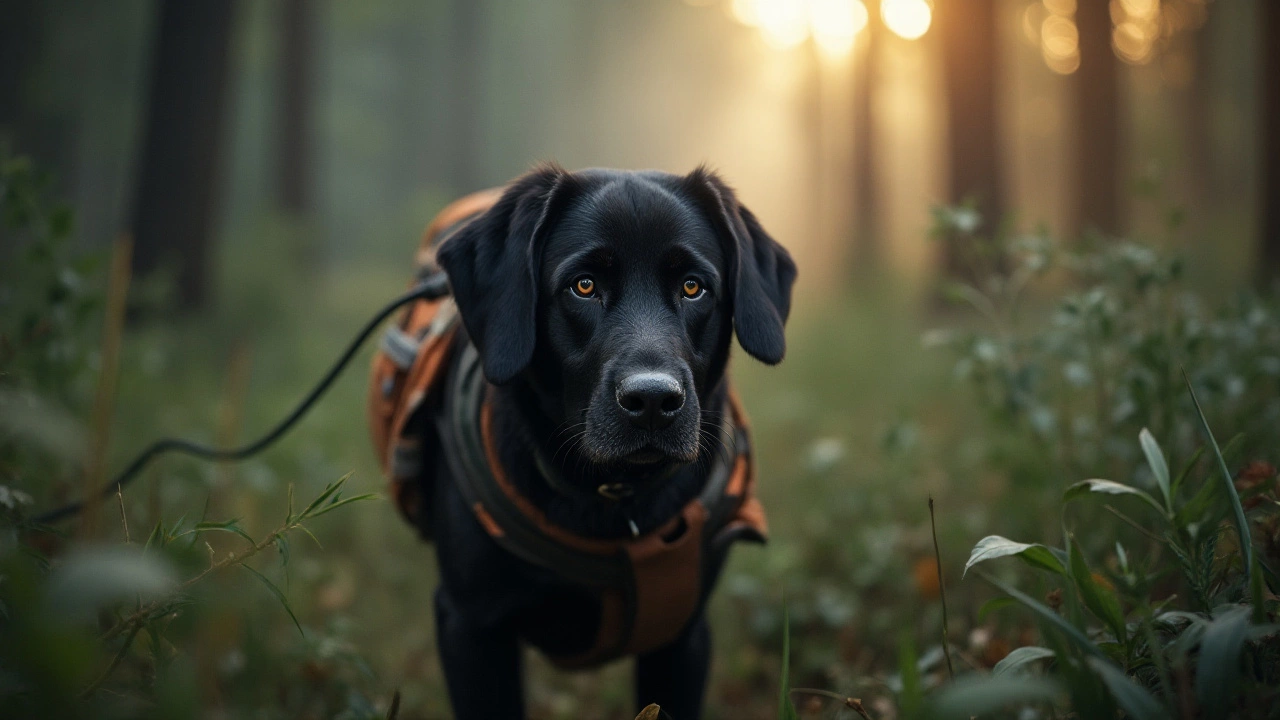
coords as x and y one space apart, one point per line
1076 362
120 629
1067 393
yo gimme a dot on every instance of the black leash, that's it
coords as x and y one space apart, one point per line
430 288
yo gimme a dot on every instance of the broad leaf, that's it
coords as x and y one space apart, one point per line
1100 601
1218 668
1035 555
1071 632
1159 467
992 605
1109 487
973 696
1134 699
1015 662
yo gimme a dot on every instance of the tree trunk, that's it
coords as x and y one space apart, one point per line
1198 97
1098 182
176 195
294 141
20 36
971 70
467 82
1269 138
867 248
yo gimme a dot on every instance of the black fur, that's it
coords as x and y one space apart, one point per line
558 361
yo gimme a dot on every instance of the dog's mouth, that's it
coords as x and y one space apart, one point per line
641 454
647 456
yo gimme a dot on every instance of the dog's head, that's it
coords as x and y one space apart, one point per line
615 295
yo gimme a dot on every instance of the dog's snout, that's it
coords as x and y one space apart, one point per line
650 399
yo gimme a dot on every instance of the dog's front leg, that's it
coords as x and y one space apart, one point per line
675 676
481 666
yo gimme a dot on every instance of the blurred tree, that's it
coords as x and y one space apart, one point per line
297 40
19 47
466 94
1269 129
1098 175
971 68
867 250
28 120
176 193
296 25
1198 100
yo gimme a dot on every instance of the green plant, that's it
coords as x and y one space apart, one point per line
1125 639
1065 392
138 626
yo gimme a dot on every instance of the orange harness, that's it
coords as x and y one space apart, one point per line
650 586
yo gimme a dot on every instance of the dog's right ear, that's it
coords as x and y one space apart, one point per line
492 264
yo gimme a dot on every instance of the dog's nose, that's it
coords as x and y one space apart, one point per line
650 399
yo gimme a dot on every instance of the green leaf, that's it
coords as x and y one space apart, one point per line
1071 632
1109 487
231 526
1242 524
1035 555
990 606
786 709
1015 662
329 490
1159 467
1218 668
1186 470
975 696
909 670
1100 601
1134 699
279 596
339 503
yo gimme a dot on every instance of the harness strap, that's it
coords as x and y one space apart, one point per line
460 426
649 587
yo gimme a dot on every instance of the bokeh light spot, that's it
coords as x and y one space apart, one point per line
909 19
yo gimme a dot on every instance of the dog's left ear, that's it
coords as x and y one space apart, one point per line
492 264
764 270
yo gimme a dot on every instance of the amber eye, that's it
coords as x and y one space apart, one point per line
691 288
584 286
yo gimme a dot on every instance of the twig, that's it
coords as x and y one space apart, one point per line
124 519
233 559
103 399
854 703
942 591
115 661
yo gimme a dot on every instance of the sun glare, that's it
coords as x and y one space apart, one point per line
784 23
909 19
835 23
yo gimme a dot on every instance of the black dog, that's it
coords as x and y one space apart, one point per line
602 305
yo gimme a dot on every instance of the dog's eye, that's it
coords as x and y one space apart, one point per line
584 287
691 288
